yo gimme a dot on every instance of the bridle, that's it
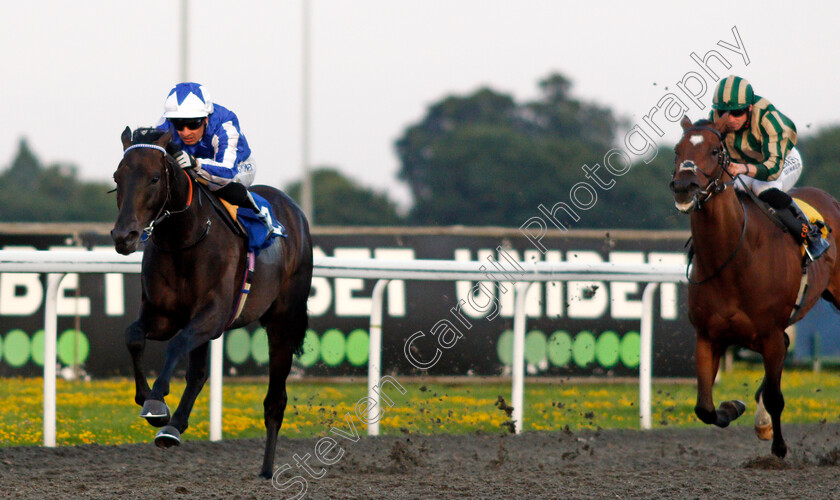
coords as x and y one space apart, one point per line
163 213
716 184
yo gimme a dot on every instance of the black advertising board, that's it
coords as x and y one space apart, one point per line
434 327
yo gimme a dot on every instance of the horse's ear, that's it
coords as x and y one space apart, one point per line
126 138
685 122
164 139
722 124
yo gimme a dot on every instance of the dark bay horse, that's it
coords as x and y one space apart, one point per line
747 272
193 269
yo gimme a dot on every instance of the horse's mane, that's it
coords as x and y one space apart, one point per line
703 123
150 135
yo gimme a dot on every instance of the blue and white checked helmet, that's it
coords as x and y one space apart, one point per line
187 100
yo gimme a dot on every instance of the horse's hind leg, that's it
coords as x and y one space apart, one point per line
707 357
774 359
283 334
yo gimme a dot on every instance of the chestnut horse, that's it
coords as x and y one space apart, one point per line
192 274
746 276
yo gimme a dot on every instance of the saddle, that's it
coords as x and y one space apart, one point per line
243 222
226 211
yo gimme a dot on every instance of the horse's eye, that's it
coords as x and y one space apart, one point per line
715 152
155 180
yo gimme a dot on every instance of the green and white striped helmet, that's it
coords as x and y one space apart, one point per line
733 92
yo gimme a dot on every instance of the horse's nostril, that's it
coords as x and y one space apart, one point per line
118 235
124 236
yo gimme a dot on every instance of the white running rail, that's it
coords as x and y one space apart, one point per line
57 263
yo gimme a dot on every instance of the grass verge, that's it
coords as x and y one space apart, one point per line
103 411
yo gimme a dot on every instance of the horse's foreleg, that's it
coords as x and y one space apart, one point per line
774 402
196 334
706 366
147 326
176 350
135 340
707 358
197 373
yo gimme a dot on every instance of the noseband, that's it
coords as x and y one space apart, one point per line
716 184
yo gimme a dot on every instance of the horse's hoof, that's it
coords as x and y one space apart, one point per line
764 432
167 437
155 412
763 422
733 409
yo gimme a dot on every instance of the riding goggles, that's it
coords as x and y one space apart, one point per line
737 113
190 123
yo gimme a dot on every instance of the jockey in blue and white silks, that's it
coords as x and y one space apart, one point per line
213 145
218 145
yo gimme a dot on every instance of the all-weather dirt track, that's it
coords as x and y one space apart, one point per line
662 463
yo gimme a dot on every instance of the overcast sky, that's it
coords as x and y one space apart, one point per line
74 74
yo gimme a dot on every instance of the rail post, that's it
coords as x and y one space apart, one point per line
50 351
375 350
646 355
517 393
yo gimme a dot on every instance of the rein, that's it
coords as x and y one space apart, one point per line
162 213
762 206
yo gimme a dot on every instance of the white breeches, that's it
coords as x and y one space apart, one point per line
786 180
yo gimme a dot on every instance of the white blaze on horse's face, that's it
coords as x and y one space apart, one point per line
695 139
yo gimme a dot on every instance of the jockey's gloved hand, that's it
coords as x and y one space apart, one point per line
185 160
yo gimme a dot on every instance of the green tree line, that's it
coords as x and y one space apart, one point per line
32 192
481 159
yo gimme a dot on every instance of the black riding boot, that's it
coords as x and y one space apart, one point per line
796 222
817 245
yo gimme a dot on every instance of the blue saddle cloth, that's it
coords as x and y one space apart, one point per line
258 235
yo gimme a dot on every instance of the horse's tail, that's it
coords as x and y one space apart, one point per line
297 262
304 250
302 274
300 333
298 318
